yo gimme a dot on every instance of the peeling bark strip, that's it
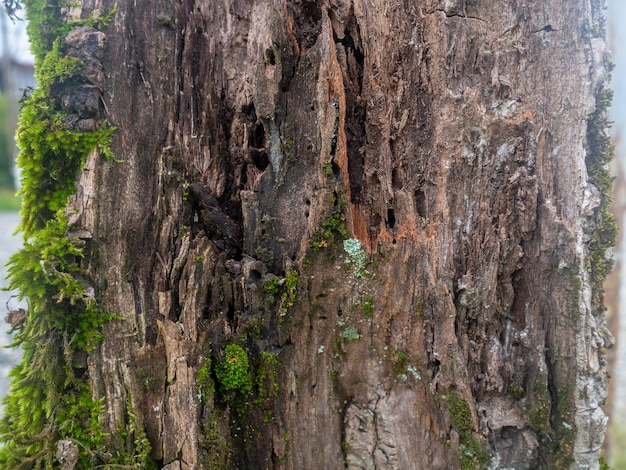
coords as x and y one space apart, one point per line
446 142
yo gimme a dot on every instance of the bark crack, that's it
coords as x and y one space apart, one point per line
457 15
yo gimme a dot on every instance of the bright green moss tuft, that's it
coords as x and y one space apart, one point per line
51 157
233 372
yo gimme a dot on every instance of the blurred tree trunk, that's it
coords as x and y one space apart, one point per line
352 233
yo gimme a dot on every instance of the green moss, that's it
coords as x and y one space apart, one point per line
135 446
233 372
600 153
290 295
165 21
204 381
473 456
604 465
401 362
215 450
336 346
334 225
563 434
516 391
267 376
540 402
272 286
286 287
368 306
460 414
51 157
47 400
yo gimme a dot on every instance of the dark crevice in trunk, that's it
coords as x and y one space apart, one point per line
351 58
307 22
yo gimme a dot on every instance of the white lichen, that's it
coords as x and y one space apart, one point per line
357 256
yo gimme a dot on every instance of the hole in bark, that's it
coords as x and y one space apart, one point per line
352 64
257 136
391 218
339 312
396 182
255 276
356 58
230 314
307 17
435 364
248 109
270 57
306 214
308 202
260 159
333 145
420 203
151 335
336 169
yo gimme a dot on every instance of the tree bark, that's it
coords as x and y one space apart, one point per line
350 233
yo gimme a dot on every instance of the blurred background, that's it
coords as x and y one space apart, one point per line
17 74
615 448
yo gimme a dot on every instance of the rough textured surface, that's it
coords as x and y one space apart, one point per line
451 138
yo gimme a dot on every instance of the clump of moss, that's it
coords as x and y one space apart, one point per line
272 286
233 372
473 456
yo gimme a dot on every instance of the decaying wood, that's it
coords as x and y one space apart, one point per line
450 135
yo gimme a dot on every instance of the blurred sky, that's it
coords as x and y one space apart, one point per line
17 41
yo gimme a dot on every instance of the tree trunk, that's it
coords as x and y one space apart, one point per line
362 234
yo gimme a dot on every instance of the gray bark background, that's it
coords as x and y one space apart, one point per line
450 136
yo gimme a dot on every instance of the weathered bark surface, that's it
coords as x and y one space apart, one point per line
452 137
